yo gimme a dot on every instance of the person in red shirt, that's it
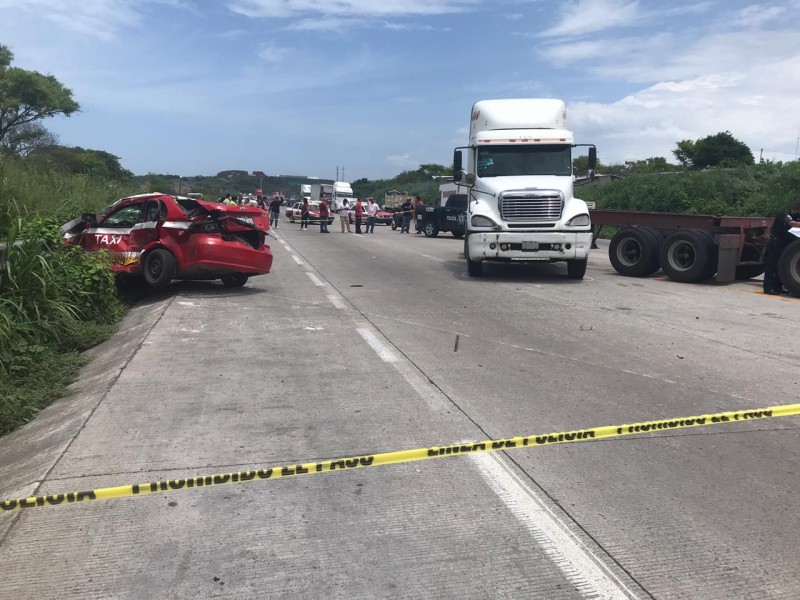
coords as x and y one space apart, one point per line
323 217
358 213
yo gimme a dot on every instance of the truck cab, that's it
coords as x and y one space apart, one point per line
521 206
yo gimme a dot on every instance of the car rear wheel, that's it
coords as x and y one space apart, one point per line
430 229
234 280
159 268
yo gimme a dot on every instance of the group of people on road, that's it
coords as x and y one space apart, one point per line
358 209
409 209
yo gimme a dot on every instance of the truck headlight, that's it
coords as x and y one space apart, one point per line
481 221
579 221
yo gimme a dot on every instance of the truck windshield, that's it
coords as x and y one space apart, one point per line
504 161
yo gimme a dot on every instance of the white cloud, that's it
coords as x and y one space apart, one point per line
401 160
361 8
102 19
755 15
325 23
588 16
752 103
271 53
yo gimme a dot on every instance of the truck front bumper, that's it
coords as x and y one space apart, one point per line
519 246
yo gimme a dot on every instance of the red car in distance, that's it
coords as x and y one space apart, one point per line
163 237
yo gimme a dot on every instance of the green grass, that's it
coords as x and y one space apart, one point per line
55 301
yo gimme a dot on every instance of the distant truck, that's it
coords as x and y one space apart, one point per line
333 193
305 192
521 206
450 217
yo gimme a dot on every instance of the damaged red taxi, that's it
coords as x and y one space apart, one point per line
162 237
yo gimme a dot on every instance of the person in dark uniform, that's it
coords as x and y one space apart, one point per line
779 239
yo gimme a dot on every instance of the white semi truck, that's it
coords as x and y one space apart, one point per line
521 206
333 193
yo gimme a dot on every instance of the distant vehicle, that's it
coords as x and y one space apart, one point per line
450 217
162 237
294 213
334 193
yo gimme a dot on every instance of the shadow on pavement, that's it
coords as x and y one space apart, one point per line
134 291
551 273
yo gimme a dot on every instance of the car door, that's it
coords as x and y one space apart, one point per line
113 234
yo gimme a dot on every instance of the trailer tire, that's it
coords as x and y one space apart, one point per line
749 253
576 269
474 268
688 256
430 229
789 268
634 251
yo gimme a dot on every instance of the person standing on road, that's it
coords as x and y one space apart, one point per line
408 210
304 216
779 239
275 211
372 211
358 214
323 217
344 216
418 214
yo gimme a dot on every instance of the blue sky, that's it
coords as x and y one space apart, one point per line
380 86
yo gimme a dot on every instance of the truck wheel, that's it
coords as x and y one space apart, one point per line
749 254
634 251
576 269
458 234
474 268
159 268
689 256
234 280
430 229
789 268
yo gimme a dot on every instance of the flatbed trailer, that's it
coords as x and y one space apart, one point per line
688 248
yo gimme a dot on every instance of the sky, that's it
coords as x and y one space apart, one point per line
376 87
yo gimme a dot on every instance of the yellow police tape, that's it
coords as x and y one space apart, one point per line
403 456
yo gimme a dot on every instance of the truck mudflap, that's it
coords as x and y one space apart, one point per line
513 246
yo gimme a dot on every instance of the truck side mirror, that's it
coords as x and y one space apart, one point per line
458 172
592 158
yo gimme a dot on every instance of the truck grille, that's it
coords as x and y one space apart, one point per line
531 208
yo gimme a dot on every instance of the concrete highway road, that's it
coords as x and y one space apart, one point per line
374 343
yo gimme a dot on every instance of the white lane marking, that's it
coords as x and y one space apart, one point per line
337 302
315 279
297 260
381 350
577 562
433 257
433 397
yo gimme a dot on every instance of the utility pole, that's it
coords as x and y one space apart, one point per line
761 156
337 172
343 179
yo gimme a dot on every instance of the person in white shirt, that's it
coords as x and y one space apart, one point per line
344 216
372 210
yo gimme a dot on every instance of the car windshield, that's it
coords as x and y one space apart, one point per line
502 161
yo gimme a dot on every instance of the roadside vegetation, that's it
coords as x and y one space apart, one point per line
55 301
